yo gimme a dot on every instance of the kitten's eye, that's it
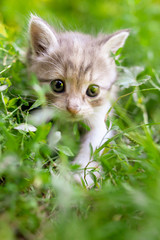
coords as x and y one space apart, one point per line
92 90
57 85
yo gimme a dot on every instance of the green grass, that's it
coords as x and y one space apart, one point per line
38 198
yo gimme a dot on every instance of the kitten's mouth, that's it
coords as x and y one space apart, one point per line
74 117
67 115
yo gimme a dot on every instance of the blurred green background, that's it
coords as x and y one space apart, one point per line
141 16
32 205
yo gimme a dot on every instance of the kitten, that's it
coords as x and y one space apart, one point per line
81 74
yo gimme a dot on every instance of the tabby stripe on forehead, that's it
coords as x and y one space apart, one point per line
88 68
83 70
80 70
91 75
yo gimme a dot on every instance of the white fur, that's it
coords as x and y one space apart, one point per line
97 135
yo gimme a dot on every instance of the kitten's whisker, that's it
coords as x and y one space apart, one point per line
53 105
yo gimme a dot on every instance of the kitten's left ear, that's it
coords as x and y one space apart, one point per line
115 41
42 36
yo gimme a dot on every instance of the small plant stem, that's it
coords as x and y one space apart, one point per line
140 104
9 66
125 95
4 105
9 115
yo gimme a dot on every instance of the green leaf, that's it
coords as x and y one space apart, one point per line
12 102
128 77
36 104
66 150
118 52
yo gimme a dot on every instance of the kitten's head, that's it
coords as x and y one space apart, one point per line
78 67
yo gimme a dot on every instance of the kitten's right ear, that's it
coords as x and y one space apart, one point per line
42 36
114 41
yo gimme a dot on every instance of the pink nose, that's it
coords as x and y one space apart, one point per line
73 110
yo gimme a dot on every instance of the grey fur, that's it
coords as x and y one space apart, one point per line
76 58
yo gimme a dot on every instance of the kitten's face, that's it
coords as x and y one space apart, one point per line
77 67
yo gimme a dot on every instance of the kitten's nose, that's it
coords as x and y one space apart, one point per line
73 109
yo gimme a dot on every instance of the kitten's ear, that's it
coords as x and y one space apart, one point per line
115 41
42 36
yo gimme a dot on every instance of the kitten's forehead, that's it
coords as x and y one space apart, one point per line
73 56
79 58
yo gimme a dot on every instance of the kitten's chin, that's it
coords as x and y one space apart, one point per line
63 114
73 117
